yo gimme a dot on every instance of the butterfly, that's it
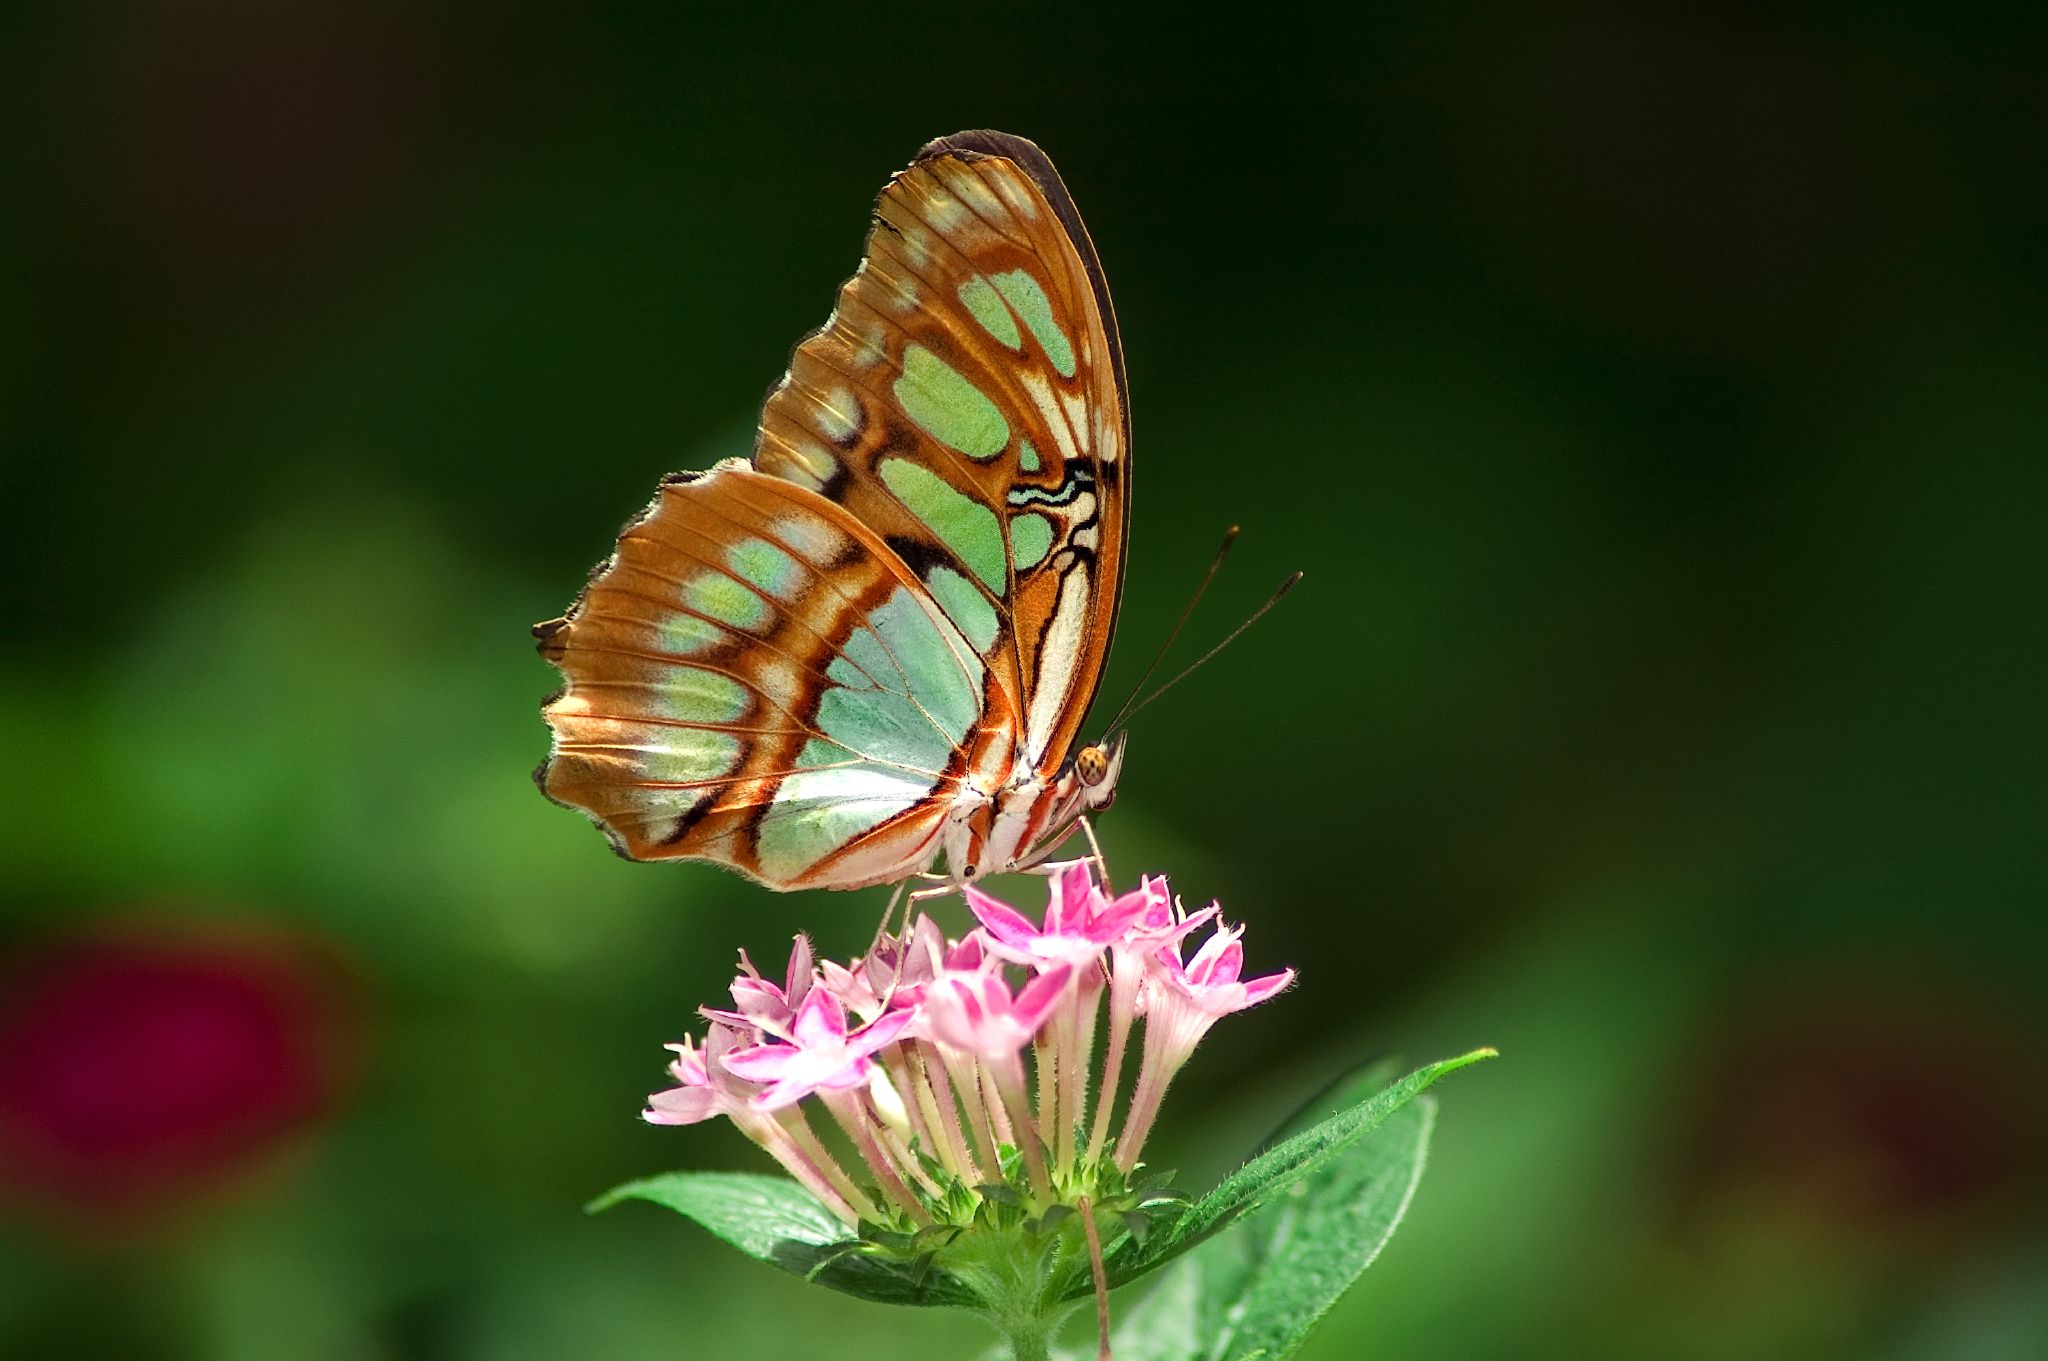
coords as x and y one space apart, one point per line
870 647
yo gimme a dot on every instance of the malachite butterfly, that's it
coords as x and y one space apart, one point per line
869 649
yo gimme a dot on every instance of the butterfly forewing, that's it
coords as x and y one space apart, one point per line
966 400
802 668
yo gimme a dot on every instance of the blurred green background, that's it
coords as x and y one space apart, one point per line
1655 404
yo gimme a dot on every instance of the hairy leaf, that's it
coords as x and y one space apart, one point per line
1274 1171
1256 1291
774 1220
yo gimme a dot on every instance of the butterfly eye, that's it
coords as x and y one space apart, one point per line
1092 765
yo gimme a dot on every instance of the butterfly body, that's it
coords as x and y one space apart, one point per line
869 649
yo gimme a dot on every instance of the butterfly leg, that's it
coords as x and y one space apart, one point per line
882 934
1095 851
882 927
909 902
1043 863
939 887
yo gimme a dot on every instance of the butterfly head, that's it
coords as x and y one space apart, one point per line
1097 768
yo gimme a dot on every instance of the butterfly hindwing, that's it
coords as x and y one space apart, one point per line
754 679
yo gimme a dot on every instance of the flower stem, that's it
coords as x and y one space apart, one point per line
1153 1075
1009 1081
895 1061
811 1169
1031 1344
1095 1269
984 1117
992 1104
813 1154
1125 976
1046 1056
853 1118
1077 1049
935 1089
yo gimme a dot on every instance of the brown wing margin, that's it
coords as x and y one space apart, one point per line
1035 163
1026 156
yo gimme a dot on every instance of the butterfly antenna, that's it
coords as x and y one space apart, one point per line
1215 564
1204 659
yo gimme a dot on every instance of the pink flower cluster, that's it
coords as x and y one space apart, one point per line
918 1050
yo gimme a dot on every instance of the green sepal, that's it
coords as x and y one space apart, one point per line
1157 1186
1054 1216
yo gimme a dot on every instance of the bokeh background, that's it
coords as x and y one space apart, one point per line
1656 406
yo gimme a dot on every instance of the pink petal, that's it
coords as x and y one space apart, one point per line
1217 963
780 1095
681 1106
973 997
762 1062
1259 989
883 1030
749 989
1166 937
749 1025
688 1065
758 1002
854 1073
1069 898
1038 997
1119 915
1157 899
1201 970
969 954
722 1040
1001 920
820 1021
797 980
926 950
850 987
972 1012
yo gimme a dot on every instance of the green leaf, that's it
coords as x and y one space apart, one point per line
1340 1093
1255 1292
1279 1167
774 1220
